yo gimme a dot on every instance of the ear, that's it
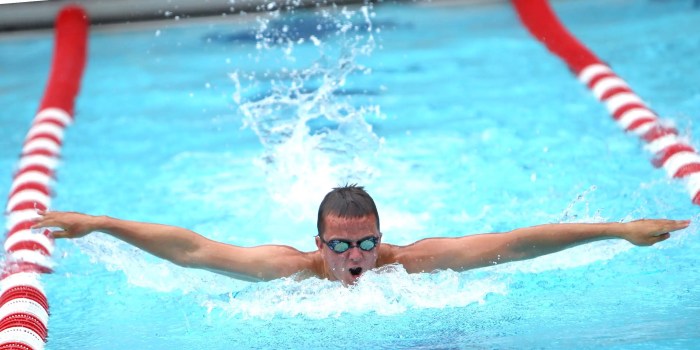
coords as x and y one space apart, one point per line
319 244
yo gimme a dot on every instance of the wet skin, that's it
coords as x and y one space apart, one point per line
267 262
349 265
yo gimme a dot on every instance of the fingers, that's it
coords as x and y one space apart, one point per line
659 227
60 234
681 224
659 234
667 226
46 219
651 240
662 237
43 222
651 231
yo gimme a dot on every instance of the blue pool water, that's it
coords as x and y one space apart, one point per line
453 117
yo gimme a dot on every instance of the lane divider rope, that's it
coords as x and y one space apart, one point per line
672 152
24 307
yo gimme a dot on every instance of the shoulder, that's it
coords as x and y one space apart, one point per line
298 261
388 254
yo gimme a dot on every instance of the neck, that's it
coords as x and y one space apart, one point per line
320 268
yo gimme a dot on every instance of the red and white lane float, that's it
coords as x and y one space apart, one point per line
669 150
24 309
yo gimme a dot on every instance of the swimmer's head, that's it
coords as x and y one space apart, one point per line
348 233
349 201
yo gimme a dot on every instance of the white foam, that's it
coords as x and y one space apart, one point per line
570 258
144 270
387 291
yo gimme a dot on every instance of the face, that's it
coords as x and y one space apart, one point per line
349 265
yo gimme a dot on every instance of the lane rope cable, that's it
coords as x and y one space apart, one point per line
24 308
670 151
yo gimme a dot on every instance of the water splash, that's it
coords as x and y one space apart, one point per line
571 213
144 270
314 135
385 291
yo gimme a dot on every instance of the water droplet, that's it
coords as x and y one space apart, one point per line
315 40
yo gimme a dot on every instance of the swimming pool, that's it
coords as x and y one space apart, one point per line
464 138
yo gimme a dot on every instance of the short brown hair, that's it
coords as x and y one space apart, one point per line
349 201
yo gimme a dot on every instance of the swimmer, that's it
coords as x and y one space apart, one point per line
350 242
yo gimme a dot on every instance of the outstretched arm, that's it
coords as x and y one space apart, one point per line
184 247
468 252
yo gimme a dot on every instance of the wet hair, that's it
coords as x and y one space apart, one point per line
349 201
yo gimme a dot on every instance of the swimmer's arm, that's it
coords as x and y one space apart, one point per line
184 247
260 263
468 252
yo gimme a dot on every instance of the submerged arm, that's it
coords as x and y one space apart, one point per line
463 253
184 247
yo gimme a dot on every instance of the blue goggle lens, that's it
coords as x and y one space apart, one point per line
341 246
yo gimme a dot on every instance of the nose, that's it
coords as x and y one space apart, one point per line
354 254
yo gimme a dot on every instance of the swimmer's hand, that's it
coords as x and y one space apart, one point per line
649 232
70 225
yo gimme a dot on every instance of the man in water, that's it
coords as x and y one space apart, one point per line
349 242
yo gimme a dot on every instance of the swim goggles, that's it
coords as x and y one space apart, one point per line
341 246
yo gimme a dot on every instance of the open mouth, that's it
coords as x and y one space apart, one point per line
355 271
